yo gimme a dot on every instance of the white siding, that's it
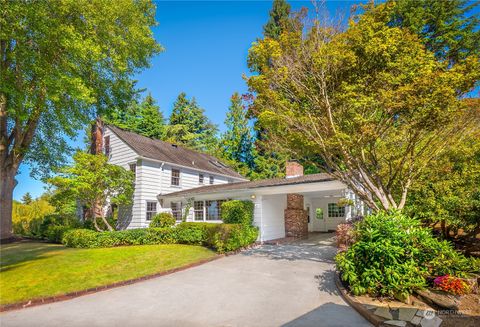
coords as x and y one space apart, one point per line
272 217
152 178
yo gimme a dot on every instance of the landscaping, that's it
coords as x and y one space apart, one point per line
31 270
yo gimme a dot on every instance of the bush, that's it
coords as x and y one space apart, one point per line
162 220
238 212
54 233
393 254
344 236
221 237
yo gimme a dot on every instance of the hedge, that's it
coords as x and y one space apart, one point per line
161 220
221 237
237 212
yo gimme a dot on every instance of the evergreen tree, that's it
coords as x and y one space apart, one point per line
149 119
27 198
190 127
237 141
448 28
278 19
144 118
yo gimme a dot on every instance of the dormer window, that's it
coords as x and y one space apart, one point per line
200 178
106 142
175 177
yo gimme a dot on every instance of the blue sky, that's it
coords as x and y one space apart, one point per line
206 45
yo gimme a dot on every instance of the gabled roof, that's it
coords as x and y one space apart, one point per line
174 154
313 178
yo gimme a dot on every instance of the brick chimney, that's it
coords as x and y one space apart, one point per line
96 137
293 169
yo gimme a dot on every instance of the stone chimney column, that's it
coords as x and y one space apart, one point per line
296 219
96 137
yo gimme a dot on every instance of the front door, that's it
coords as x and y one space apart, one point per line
318 219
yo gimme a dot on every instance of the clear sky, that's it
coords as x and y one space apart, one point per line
206 45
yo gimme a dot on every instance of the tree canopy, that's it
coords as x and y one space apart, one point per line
61 63
95 183
371 101
189 126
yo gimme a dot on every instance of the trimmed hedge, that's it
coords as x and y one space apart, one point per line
221 237
237 212
162 220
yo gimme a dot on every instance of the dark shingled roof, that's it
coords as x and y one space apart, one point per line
313 178
171 153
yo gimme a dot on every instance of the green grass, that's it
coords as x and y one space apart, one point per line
33 270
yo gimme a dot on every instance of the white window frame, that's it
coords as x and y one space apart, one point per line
211 180
134 170
177 210
201 179
178 178
336 211
147 212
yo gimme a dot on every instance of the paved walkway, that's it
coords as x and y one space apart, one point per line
273 285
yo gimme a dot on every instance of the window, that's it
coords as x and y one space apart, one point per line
334 211
133 169
106 142
176 210
151 209
198 210
200 178
175 177
214 211
319 213
212 179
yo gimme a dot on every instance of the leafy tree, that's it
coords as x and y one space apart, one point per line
61 63
27 198
95 183
27 217
448 191
371 102
278 20
190 127
144 118
449 28
237 142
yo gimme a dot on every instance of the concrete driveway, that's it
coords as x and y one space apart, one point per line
273 285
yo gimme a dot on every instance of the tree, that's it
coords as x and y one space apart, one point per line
278 19
95 183
371 101
190 127
237 142
27 198
144 118
448 28
62 62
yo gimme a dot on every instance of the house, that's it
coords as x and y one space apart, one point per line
160 168
193 185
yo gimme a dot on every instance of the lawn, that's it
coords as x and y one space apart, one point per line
32 270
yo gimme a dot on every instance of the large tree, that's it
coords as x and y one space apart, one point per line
449 28
371 101
278 19
61 63
190 127
237 141
144 118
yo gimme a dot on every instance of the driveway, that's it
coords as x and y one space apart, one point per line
272 285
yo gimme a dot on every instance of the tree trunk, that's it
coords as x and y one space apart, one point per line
7 184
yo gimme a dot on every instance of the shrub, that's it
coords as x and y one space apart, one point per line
237 212
193 233
230 237
80 238
393 254
54 233
162 220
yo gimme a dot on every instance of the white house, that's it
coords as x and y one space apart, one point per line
173 178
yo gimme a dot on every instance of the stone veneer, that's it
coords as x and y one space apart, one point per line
296 221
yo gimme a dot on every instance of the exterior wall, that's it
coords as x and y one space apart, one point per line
272 217
152 178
